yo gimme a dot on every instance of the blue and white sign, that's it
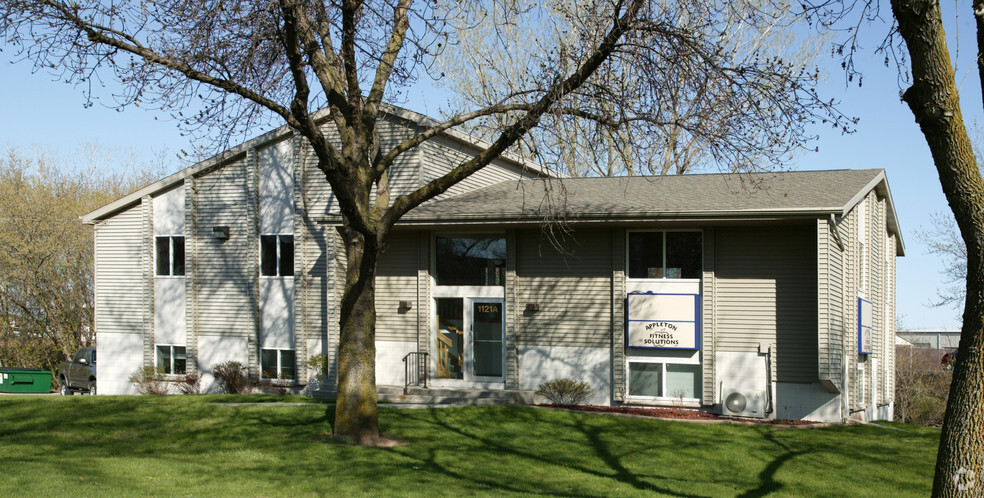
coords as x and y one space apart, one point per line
865 325
663 321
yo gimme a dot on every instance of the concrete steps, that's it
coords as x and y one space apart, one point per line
448 396
444 396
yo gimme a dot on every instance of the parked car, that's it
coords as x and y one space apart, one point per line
78 374
949 359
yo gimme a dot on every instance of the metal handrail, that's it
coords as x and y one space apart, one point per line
412 376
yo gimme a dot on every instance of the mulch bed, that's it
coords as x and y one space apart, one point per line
675 414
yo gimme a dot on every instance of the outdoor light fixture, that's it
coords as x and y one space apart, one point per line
405 305
532 307
221 233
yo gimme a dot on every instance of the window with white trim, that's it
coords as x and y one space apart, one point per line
665 254
170 255
277 363
277 255
655 379
172 360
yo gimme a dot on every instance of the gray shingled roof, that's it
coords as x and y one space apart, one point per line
705 196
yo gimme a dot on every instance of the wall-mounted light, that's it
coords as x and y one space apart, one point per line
405 305
532 307
221 233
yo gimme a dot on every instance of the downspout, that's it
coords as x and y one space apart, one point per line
768 381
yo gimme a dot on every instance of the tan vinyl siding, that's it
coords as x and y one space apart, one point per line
147 265
830 287
226 292
396 280
889 344
440 154
405 174
120 278
765 285
849 232
707 319
191 283
512 314
573 290
303 331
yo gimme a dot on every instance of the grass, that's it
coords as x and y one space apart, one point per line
190 445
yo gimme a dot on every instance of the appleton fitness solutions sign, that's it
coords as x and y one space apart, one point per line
663 321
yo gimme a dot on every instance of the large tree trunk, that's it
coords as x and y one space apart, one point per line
355 410
933 99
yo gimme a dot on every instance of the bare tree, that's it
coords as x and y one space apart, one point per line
674 113
46 254
243 62
934 100
942 239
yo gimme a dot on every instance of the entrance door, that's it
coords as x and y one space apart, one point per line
469 339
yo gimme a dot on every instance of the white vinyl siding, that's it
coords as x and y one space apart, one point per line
226 293
121 300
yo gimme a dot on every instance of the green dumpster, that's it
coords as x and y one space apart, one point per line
24 380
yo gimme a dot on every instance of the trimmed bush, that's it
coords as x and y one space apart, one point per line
190 384
231 377
150 380
565 392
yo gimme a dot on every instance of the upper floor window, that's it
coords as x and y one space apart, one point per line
277 255
665 254
170 255
471 260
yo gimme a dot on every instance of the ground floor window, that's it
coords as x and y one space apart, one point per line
664 380
172 360
277 363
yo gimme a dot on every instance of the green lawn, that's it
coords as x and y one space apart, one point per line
188 445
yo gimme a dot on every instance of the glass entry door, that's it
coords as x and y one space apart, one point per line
469 339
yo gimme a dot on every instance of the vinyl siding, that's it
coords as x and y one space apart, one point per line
618 314
708 328
120 277
849 231
396 280
573 290
225 273
191 283
830 286
440 155
512 314
765 285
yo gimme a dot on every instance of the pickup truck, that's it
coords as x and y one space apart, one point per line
78 374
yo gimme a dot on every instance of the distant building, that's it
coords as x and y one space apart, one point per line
932 338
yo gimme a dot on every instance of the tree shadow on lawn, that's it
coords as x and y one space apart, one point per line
553 456
767 478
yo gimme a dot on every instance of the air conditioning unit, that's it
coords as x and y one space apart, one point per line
743 403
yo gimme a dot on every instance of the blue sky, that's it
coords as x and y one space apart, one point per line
38 114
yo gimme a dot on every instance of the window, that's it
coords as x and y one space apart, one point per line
665 254
277 255
277 363
170 255
471 260
665 380
172 360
